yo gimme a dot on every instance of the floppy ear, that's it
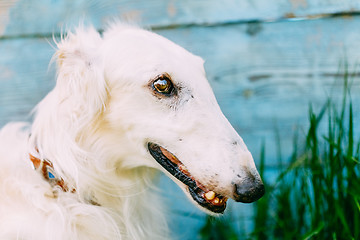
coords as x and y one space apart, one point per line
80 82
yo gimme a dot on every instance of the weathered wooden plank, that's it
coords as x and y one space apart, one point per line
5 6
261 80
24 78
29 17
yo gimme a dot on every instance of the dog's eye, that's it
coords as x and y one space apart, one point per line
163 84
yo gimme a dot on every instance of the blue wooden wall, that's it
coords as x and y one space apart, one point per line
265 59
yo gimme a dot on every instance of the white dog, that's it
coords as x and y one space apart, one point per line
125 104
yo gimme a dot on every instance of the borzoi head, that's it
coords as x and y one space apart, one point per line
148 103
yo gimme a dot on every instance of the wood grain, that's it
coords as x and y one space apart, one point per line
43 17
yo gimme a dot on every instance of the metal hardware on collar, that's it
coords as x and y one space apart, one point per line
46 168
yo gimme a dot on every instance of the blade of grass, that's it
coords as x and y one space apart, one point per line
314 232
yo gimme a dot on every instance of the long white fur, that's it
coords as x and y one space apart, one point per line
94 126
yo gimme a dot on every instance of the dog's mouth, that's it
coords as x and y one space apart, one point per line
205 197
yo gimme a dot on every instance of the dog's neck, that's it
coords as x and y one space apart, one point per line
96 168
126 193
104 185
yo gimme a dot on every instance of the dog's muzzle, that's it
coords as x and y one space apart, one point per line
248 191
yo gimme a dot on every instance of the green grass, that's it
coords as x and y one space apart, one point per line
218 229
318 195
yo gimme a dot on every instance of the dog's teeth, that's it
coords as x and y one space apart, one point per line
216 200
182 168
210 195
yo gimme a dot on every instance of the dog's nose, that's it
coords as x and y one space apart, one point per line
249 189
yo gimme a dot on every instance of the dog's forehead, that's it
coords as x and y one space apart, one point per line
147 51
136 39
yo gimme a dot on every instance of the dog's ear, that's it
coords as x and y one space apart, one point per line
81 83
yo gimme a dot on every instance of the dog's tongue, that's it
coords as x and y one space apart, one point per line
171 157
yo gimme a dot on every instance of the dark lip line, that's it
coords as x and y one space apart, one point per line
194 190
170 166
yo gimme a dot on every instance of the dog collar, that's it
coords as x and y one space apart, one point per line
46 168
